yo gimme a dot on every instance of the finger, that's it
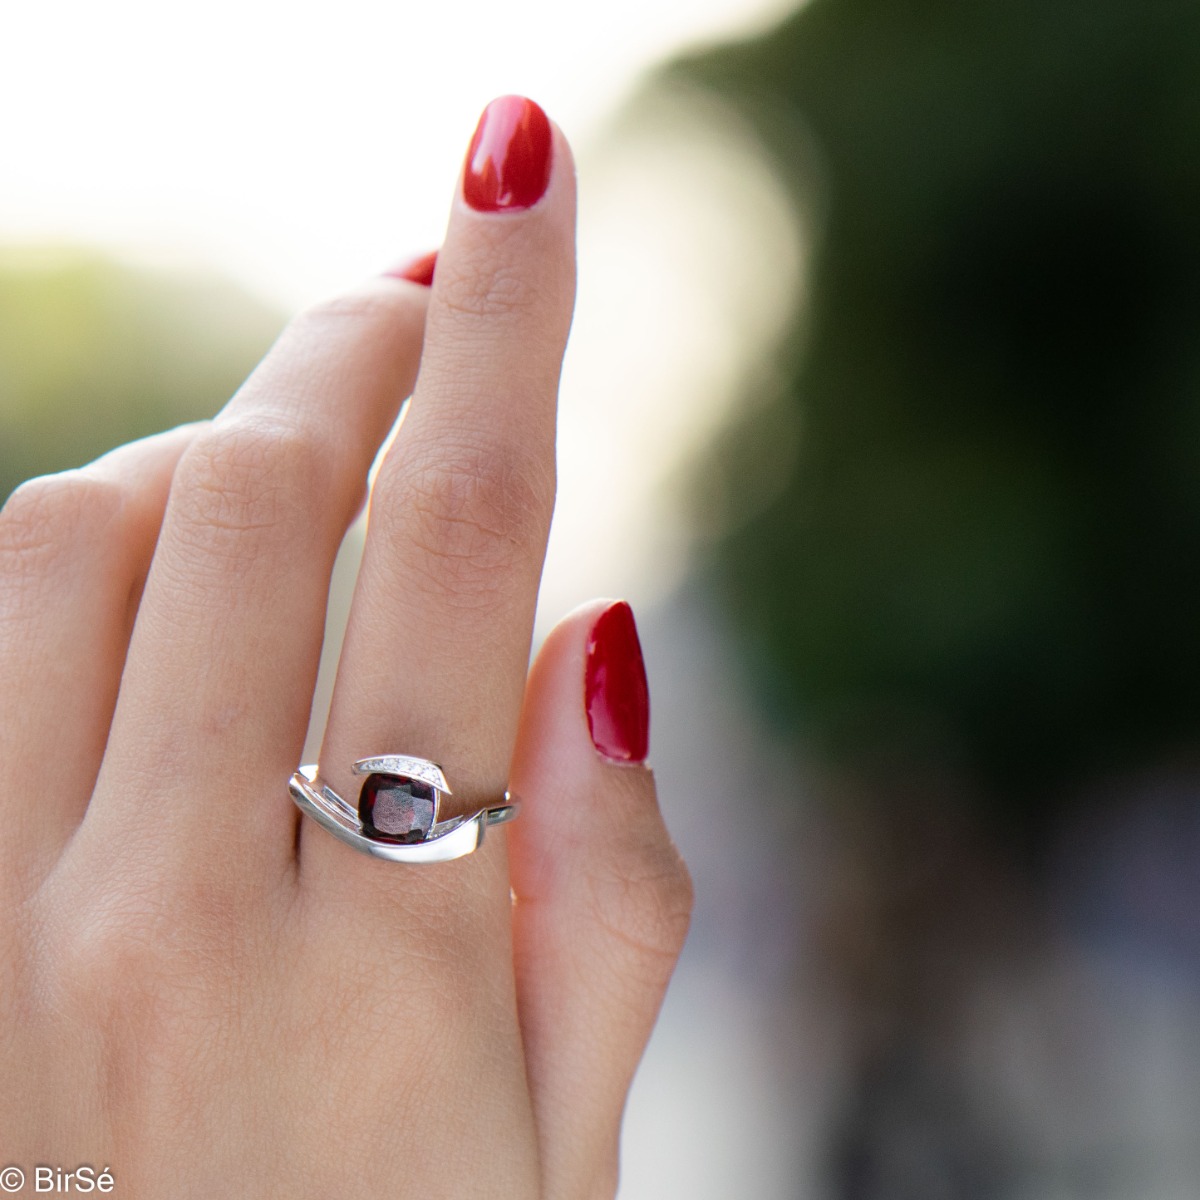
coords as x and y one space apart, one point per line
437 644
74 552
222 662
602 899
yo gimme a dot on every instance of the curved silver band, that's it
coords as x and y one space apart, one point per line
445 840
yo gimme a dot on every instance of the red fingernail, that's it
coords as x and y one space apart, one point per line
419 270
508 163
615 693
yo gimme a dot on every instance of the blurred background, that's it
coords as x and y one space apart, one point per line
882 409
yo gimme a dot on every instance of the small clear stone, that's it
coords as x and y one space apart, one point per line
395 809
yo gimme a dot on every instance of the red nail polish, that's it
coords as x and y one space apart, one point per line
508 163
615 693
419 270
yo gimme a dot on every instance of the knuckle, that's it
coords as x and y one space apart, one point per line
121 973
372 308
480 290
113 967
46 519
646 902
472 517
129 959
246 484
108 962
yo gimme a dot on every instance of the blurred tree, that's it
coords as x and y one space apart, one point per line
988 550
94 353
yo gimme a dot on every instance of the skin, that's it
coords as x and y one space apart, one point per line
211 996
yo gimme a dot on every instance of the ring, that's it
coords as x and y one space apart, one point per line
397 813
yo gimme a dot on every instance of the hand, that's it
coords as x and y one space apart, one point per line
202 991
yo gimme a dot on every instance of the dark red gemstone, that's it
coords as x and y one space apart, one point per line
395 809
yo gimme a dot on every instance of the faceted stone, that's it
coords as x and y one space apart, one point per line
395 809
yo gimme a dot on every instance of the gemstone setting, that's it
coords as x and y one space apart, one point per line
395 808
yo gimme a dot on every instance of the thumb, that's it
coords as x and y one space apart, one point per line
602 899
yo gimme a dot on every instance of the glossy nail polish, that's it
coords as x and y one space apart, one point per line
615 693
508 163
419 270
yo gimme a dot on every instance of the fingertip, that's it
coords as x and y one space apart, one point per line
556 706
616 694
510 157
418 270
515 158
580 755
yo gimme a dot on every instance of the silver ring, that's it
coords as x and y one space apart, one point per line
397 813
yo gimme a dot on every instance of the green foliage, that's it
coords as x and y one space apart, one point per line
988 550
93 353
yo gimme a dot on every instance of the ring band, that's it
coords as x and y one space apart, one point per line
397 813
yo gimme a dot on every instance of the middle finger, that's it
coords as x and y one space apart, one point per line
217 687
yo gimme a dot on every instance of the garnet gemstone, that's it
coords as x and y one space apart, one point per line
395 809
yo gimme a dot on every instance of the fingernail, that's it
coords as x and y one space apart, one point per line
615 693
508 162
419 270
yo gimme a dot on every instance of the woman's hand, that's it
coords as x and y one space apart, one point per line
205 993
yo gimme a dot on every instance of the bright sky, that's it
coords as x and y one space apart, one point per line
299 148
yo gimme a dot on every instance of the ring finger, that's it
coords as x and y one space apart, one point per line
437 647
